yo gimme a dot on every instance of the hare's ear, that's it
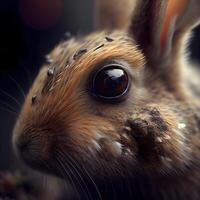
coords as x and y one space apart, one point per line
181 17
159 26
113 14
146 24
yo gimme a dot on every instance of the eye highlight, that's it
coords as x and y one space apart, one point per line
110 83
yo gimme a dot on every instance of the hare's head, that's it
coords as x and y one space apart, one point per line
114 102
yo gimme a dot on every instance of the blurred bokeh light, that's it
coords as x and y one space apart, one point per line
40 14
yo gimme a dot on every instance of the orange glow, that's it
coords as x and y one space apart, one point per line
175 7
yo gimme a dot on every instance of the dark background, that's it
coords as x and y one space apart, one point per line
29 29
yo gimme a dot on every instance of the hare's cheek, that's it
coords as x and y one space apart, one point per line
177 153
105 149
158 139
98 140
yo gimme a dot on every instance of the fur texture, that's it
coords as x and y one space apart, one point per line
145 147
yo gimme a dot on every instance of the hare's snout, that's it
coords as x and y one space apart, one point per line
26 149
34 148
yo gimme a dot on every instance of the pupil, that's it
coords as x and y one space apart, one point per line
111 82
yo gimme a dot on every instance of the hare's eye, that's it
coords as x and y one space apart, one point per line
110 83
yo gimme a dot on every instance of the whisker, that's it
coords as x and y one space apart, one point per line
60 171
92 181
68 174
18 86
13 98
45 184
69 168
95 186
28 72
9 111
76 170
8 106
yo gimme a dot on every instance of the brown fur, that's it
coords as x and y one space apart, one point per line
150 139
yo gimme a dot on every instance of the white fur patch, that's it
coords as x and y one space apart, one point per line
181 125
117 148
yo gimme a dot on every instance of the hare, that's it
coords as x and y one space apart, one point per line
117 112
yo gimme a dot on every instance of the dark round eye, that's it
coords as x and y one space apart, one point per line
110 83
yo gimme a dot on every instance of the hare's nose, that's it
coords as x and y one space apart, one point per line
32 149
25 148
